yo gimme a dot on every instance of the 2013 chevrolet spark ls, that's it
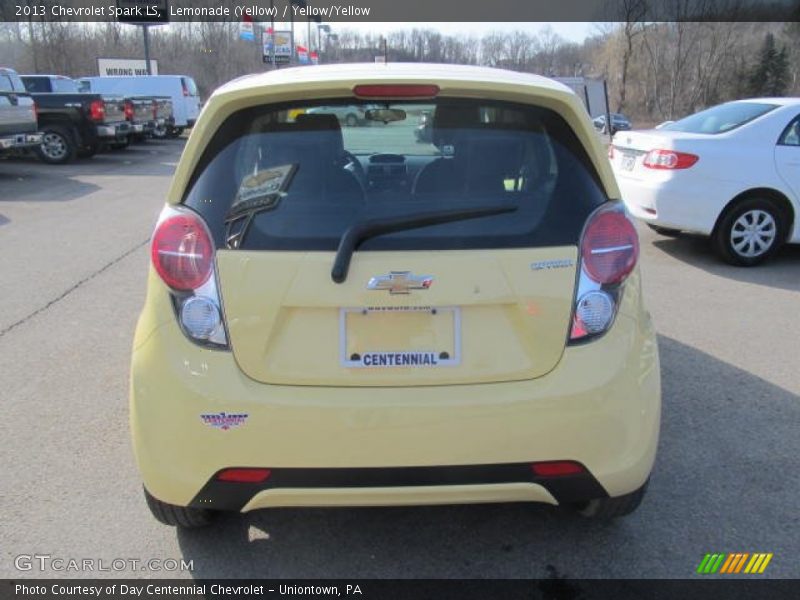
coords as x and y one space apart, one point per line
350 316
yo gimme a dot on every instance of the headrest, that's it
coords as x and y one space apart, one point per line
322 122
449 118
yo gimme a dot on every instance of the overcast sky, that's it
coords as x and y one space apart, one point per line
575 32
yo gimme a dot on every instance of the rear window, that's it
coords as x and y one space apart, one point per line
36 84
64 85
296 177
188 82
722 118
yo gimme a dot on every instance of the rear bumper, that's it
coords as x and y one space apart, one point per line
398 485
20 141
415 445
677 203
113 130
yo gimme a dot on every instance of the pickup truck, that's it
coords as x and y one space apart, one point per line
17 115
165 117
140 112
74 124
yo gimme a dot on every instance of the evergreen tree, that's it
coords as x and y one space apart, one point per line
769 76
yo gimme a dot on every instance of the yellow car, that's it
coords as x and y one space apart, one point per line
357 317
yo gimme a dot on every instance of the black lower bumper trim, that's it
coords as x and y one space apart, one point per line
566 489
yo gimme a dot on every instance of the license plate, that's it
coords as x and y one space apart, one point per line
400 337
628 162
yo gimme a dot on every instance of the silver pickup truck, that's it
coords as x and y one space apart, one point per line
17 115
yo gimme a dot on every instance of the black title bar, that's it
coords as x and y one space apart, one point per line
402 10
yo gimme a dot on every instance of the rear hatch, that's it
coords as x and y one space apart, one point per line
17 111
465 249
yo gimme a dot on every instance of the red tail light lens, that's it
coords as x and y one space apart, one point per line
97 110
396 90
182 251
557 468
129 111
669 159
244 475
610 247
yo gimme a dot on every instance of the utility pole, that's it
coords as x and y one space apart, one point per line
146 35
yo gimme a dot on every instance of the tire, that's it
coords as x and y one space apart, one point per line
178 516
175 132
58 147
665 230
750 232
351 120
613 508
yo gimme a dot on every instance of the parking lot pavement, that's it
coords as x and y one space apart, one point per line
73 259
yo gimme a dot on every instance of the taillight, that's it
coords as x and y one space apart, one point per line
182 252
97 110
669 159
610 247
396 90
129 111
609 251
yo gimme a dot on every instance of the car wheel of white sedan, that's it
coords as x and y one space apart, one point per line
750 232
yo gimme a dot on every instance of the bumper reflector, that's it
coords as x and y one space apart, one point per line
557 468
244 475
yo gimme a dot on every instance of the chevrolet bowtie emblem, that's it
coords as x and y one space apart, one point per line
400 282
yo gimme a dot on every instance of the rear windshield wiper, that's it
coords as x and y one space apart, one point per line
364 230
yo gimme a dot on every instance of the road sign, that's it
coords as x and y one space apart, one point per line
246 31
283 47
107 67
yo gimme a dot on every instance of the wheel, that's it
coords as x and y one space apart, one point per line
750 232
58 145
88 151
351 120
612 508
665 230
175 132
160 132
178 516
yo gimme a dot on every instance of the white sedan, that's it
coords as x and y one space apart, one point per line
731 172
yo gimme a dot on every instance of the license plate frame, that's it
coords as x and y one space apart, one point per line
628 161
434 358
